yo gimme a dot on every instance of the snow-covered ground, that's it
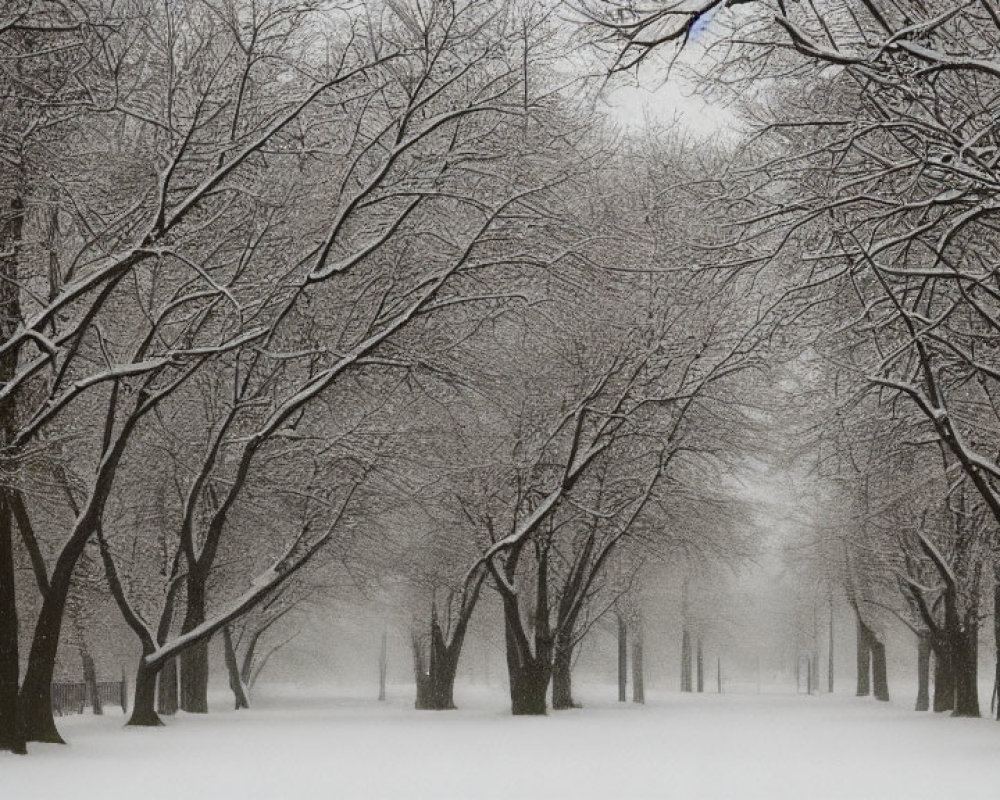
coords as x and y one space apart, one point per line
677 746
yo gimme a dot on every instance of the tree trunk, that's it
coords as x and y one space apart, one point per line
864 659
685 660
436 679
880 680
701 667
383 665
923 672
36 688
144 702
90 679
166 698
528 685
562 677
965 664
718 676
11 729
239 689
194 659
829 665
996 635
622 658
638 682
944 680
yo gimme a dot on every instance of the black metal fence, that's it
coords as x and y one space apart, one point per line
73 698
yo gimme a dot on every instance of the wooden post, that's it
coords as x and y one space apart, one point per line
718 675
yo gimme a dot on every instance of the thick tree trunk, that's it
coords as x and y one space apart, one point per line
36 688
194 660
144 703
638 678
700 660
864 659
880 678
528 685
923 672
90 679
240 698
166 696
685 660
436 679
966 657
11 729
944 680
562 678
622 658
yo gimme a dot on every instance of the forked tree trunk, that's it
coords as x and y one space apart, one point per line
923 672
880 678
622 658
144 702
435 678
166 696
241 699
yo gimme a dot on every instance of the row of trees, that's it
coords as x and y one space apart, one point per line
274 271
873 176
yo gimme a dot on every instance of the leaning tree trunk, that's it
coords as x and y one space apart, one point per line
880 678
36 688
239 689
144 702
923 672
864 659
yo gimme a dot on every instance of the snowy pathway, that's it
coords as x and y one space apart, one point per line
732 747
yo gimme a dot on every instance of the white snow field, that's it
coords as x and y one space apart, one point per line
677 746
